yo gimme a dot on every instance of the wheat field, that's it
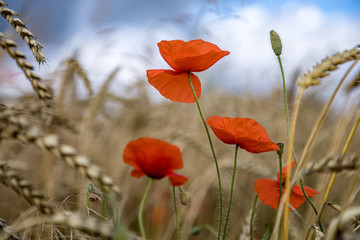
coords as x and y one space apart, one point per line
63 177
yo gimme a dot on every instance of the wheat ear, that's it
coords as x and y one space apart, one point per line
80 71
24 188
333 164
89 225
328 64
44 92
98 101
6 231
354 83
23 31
17 127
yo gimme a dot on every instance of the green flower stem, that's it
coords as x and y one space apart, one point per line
285 99
176 215
280 179
231 192
288 132
213 153
141 208
252 218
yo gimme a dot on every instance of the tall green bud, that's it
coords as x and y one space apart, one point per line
275 43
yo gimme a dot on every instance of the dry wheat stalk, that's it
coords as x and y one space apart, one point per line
322 69
23 31
24 188
333 164
44 92
6 232
17 127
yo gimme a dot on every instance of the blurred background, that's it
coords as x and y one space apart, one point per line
110 44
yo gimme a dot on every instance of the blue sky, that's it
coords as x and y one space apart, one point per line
110 33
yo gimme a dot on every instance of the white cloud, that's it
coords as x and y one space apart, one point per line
308 34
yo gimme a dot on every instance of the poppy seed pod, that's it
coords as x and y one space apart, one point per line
275 43
185 198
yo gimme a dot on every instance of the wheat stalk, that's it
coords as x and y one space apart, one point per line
44 92
17 127
24 188
23 31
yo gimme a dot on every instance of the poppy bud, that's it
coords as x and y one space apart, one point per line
185 198
196 230
275 43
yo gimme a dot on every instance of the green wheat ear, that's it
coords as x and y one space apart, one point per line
275 43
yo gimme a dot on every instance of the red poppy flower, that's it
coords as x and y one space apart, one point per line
269 191
244 132
154 158
184 57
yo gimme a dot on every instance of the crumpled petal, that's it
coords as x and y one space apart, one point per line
245 132
268 191
174 85
177 179
297 197
192 56
152 157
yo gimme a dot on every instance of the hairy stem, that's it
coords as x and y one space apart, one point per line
176 215
231 192
213 153
252 218
141 209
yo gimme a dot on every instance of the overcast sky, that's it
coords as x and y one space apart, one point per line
110 33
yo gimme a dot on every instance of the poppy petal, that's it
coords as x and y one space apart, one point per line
137 173
152 157
268 191
284 171
297 197
245 132
177 179
174 85
192 56
309 191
